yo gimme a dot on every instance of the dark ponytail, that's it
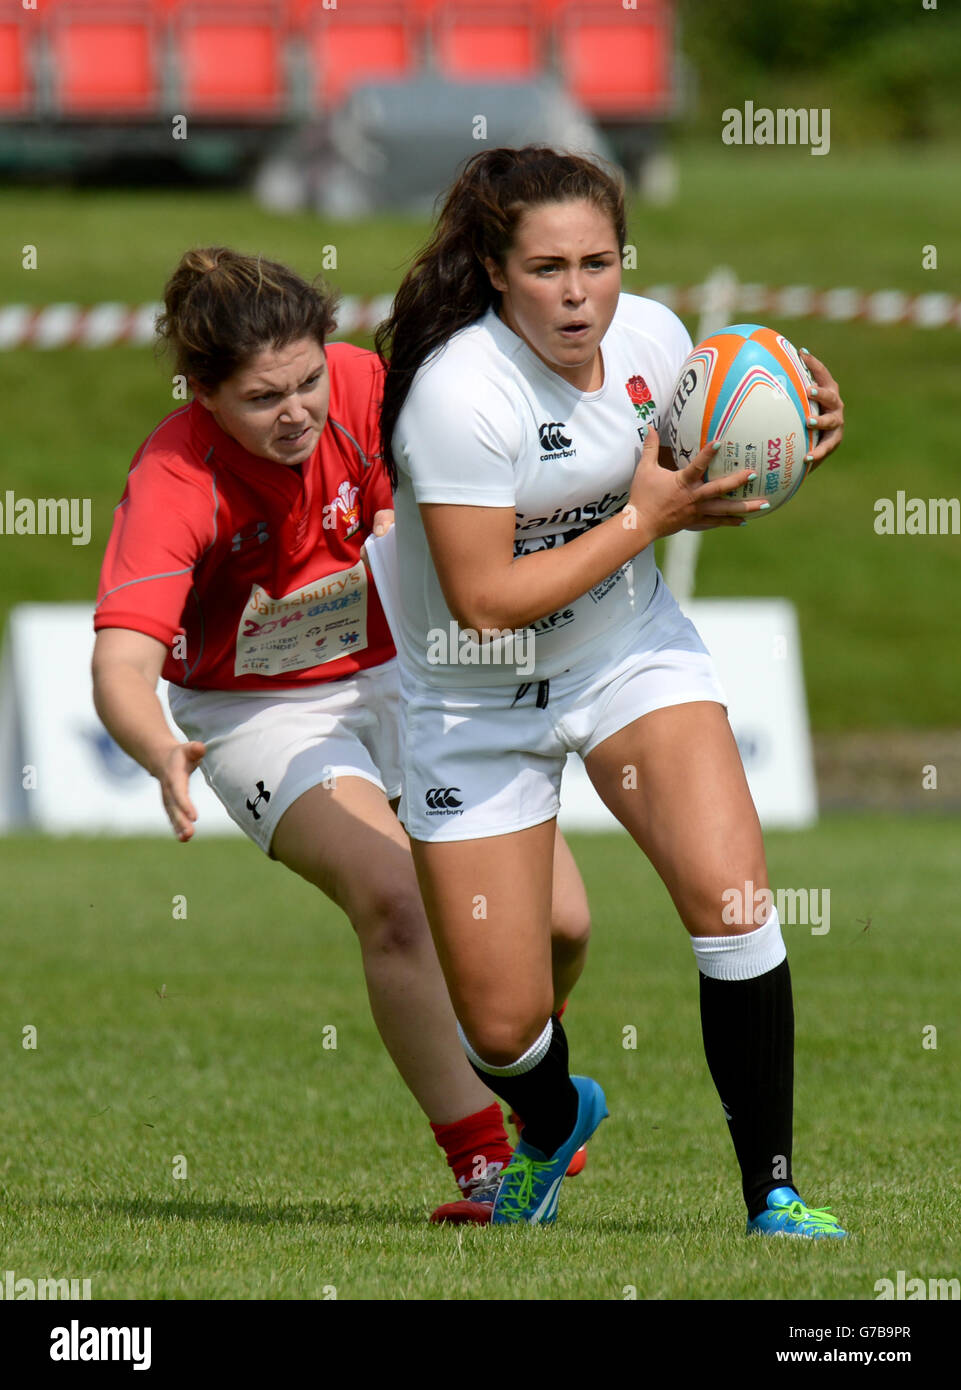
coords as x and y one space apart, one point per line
447 287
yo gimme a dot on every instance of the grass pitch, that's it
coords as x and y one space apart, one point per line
163 1040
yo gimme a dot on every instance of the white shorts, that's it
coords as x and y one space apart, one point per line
488 760
265 749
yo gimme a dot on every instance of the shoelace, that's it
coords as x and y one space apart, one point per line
817 1216
483 1189
517 1185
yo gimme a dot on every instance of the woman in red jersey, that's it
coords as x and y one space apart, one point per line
235 570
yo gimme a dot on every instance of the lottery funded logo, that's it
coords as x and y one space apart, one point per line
319 622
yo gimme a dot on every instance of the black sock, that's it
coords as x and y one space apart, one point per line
543 1097
748 1028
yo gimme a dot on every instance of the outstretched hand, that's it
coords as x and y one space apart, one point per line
174 778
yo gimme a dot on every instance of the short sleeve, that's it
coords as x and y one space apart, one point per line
661 327
148 568
671 334
458 437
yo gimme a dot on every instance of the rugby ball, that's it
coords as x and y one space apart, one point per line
747 386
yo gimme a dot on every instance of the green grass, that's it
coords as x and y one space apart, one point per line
311 1167
74 418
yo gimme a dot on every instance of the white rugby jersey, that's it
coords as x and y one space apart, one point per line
487 424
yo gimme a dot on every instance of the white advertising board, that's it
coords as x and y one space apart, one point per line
61 772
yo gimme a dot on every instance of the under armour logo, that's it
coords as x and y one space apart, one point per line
442 798
552 435
259 534
262 795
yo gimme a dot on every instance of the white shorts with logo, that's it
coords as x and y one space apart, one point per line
487 760
266 748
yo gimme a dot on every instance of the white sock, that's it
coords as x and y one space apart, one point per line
535 1053
741 957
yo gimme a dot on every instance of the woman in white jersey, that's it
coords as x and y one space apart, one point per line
519 421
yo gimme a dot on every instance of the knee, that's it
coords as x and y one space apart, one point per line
729 908
391 921
570 930
502 1040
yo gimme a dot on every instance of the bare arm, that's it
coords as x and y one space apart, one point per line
486 587
126 668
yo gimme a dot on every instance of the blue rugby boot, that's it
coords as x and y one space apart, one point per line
530 1184
787 1215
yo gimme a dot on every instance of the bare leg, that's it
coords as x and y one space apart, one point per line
690 810
489 905
570 922
347 841
688 807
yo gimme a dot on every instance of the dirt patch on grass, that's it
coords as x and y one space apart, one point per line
894 769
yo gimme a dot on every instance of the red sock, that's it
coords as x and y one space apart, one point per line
476 1145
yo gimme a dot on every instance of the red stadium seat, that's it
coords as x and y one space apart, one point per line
229 58
104 59
360 41
617 63
235 8
550 9
17 33
496 40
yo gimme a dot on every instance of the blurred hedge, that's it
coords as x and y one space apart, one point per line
887 71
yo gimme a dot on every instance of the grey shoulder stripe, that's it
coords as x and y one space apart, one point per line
189 670
147 442
213 484
170 574
363 457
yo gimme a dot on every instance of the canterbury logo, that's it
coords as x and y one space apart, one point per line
442 798
552 436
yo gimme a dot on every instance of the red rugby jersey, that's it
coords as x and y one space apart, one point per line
249 571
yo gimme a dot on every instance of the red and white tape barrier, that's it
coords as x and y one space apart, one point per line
105 325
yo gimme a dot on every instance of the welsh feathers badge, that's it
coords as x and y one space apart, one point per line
345 506
644 407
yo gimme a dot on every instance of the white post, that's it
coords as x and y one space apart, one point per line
718 302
